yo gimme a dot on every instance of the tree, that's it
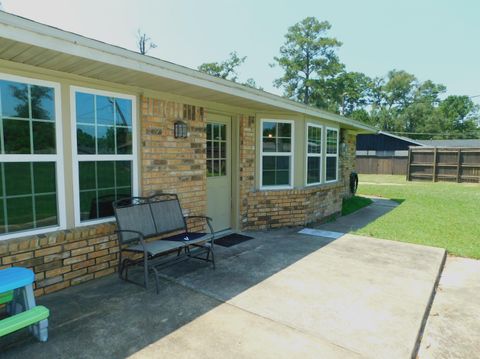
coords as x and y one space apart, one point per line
461 116
144 43
226 69
308 58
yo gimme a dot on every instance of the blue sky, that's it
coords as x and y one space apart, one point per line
435 40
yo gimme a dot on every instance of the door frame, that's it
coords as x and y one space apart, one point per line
233 165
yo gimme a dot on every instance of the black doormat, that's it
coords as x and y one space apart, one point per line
232 239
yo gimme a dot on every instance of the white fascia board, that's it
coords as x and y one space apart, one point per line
30 32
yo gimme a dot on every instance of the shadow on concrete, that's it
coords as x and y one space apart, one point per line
108 318
361 218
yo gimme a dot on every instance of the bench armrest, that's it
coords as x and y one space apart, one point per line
207 219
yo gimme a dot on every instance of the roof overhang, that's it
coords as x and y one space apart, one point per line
29 42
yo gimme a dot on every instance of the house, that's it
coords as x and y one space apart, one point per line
84 123
383 153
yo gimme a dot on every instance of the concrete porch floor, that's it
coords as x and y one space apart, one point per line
280 295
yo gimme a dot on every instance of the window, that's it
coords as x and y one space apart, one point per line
31 182
276 155
332 155
216 149
314 154
104 147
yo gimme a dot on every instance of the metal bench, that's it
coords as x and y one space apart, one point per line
140 223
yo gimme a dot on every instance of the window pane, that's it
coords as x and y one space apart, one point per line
106 174
88 203
269 145
268 178
123 112
87 175
105 110
104 203
331 168
18 178
216 168
106 140
314 139
331 142
19 213
124 140
283 163
44 177
42 100
216 131
284 130
101 183
313 169
46 210
216 149
124 193
14 97
124 173
85 108
223 150
269 162
282 178
85 140
43 137
209 150
269 129
223 168
209 168
276 170
209 132
223 132
3 228
16 136
283 145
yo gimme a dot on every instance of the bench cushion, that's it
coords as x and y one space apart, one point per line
23 319
190 238
156 247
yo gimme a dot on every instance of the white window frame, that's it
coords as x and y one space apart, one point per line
57 158
277 154
320 155
327 155
95 157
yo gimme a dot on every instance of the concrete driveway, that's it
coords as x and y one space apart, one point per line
280 295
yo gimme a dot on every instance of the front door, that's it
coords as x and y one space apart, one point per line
219 179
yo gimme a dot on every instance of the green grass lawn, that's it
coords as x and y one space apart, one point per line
443 215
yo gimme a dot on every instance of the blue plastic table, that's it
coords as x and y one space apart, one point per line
20 280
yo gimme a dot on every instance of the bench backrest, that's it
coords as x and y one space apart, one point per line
167 213
150 216
134 214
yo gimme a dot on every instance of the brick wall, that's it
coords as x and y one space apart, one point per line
65 258
174 165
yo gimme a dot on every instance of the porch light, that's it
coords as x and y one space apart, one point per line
180 129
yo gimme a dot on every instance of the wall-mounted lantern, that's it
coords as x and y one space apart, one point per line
180 129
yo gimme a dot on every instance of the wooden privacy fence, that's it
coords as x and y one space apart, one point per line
381 165
444 164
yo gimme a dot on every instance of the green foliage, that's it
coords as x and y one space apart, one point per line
226 69
398 102
309 60
435 214
354 203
